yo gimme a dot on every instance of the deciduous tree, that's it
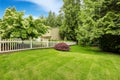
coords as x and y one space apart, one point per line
15 26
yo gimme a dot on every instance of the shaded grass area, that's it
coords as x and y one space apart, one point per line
81 63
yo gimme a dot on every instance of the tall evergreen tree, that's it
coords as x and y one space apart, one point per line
1 30
88 16
108 26
59 20
51 19
71 9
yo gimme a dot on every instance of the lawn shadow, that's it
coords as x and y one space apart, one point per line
90 50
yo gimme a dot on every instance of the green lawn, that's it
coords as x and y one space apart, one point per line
48 64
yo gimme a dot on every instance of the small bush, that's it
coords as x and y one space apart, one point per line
62 47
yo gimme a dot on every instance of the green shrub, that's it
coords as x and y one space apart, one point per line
110 43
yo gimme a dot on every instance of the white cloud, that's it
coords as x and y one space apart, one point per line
35 17
47 5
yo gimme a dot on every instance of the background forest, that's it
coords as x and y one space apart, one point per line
89 22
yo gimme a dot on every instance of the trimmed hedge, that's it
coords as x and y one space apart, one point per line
62 47
110 43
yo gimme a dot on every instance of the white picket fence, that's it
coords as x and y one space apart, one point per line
17 45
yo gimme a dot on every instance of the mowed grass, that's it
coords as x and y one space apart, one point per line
81 63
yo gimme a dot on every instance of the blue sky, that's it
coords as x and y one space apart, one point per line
35 8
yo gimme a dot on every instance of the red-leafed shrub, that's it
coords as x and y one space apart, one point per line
62 47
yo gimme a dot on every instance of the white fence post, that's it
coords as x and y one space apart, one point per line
31 45
47 43
0 44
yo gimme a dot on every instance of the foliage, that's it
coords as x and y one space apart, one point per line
54 20
12 23
85 30
51 19
62 47
92 22
110 43
1 31
108 26
43 20
59 20
87 22
15 26
71 22
36 27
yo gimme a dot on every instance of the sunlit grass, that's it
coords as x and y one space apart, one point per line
81 63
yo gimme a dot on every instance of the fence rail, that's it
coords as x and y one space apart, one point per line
17 45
